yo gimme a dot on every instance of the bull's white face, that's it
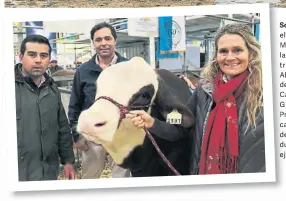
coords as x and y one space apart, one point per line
125 83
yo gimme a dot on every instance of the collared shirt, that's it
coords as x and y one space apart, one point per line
43 79
224 78
113 61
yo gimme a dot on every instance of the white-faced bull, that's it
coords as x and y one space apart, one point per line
131 85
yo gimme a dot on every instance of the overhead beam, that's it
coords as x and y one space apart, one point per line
200 28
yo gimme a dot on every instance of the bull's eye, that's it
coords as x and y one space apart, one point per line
143 96
146 95
100 124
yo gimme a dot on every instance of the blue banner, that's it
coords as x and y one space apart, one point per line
257 31
165 37
172 34
164 56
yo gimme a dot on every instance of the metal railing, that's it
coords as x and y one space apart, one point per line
67 78
66 90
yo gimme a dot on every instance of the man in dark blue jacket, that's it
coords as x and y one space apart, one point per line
83 93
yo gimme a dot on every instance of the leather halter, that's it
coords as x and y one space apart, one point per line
123 111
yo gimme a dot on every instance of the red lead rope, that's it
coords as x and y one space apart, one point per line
160 153
123 111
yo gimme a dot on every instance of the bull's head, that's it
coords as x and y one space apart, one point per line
130 83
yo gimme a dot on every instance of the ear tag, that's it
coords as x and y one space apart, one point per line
174 117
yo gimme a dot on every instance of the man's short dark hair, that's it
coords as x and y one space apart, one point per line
101 26
35 39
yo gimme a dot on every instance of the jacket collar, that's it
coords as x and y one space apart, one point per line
113 61
207 86
20 78
95 67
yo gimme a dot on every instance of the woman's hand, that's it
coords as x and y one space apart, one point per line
141 119
188 81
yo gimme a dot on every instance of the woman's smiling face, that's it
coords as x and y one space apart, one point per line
232 55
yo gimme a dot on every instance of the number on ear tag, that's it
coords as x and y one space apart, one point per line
174 117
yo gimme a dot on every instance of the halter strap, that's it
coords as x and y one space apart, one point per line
123 111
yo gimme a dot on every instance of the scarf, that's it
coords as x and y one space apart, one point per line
220 147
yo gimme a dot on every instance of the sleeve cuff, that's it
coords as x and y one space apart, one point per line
155 126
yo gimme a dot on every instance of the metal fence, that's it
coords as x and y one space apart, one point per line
64 84
140 49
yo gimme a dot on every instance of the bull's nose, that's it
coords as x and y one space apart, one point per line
100 124
90 122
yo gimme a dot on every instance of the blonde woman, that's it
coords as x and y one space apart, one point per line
228 105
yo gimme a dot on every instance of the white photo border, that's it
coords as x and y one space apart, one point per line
18 15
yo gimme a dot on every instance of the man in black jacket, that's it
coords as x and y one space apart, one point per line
104 37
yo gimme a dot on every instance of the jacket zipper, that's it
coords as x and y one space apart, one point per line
204 127
41 130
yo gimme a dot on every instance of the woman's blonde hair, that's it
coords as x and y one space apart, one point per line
254 83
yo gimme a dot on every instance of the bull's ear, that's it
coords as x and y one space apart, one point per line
172 94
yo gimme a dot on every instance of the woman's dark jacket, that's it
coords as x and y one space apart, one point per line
251 141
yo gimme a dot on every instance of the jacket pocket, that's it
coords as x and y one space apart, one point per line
22 152
19 129
18 124
56 154
51 171
52 156
22 164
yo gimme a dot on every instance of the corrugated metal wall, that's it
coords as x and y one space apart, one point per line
135 49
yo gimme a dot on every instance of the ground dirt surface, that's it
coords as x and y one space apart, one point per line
103 3
127 3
